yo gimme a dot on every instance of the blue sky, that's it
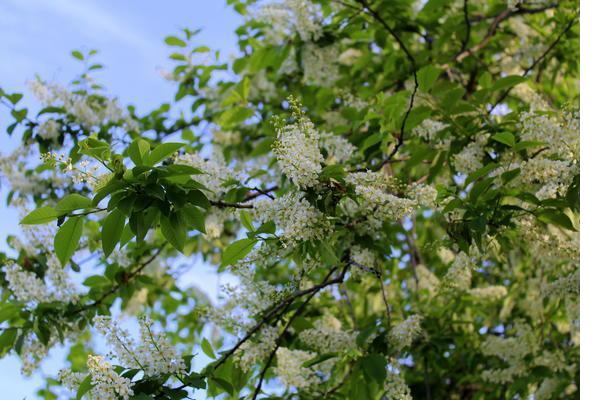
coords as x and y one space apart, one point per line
37 38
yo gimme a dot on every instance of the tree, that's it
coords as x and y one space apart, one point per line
394 184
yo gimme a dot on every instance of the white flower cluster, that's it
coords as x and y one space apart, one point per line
87 110
489 293
154 354
349 56
250 353
49 129
429 129
108 385
25 285
511 350
550 177
338 148
562 137
396 388
13 168
424 195
290 370
296 219
287 17
216 174
327 336
470 158
404 333
460 272
377 203
319 64
297 150
425 280
363 261
28 287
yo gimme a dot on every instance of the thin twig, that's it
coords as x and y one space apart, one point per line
413 63
339 279
537 60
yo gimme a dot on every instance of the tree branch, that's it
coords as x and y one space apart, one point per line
537 60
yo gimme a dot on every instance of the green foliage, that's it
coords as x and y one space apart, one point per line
394 185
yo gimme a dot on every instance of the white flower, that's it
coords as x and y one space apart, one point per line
319 64
252 352
429 128
338 148
290 370
296 219
379 205
108 385
349 56
395 387
404 333
459 274
49 129
153 353
470 158
215 172
489 293
297 151
327 336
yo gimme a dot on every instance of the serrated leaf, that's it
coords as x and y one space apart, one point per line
40 215
72 202
193 217
112 229
67 239
246 220
137 150
374 367
207 348
237 250
84 387
7 339
173 229
161 152
507 81
427 76
506 138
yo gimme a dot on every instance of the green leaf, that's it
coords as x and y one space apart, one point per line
112 228
556 217
67 239
507 81
173 229
197 198
137 150
174 41
506 138
84 387
237 250
77 54
161 152
7 339
40 215
207 348
427 76
335 171
483 171
193 217
246 220
8 310
72 202
96 281
373 367
319 359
